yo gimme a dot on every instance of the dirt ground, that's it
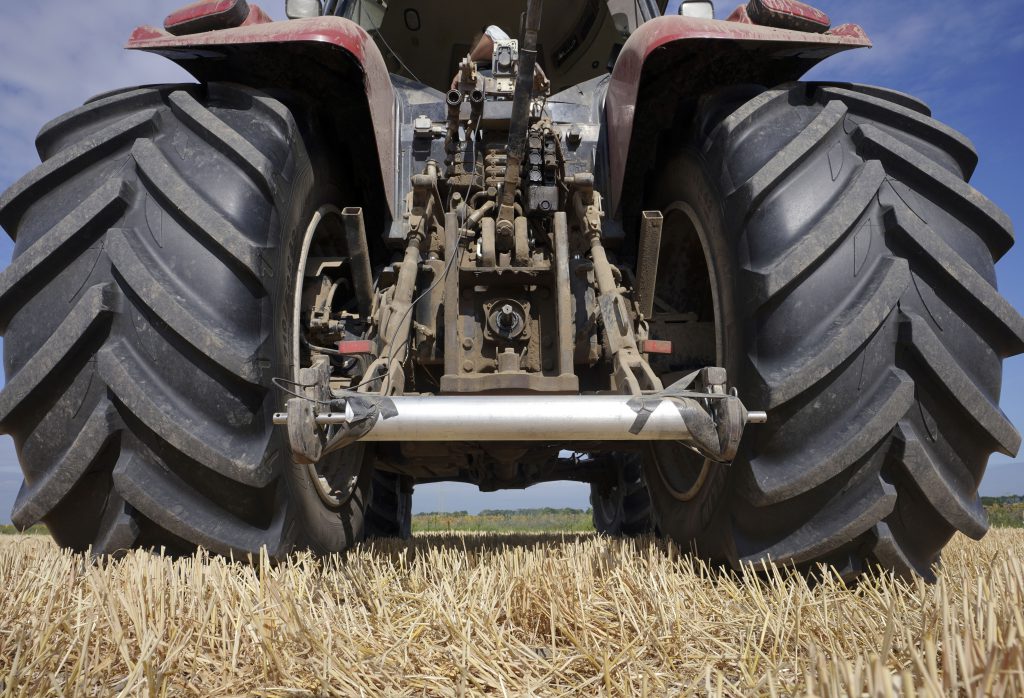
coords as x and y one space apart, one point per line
453 615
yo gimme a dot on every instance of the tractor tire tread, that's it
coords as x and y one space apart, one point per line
389 512
142 416
865 274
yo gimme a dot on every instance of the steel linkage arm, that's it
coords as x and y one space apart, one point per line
631 373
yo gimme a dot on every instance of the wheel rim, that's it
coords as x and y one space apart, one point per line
335 477
307 241
684 478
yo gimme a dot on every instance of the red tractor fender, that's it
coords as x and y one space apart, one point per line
332 61
669 59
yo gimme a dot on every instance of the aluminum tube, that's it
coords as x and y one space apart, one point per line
359 257
524 418
647 260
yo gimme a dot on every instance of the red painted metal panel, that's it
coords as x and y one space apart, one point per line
788 14
850 31
758 47
327 32
256 16
207 15
740 15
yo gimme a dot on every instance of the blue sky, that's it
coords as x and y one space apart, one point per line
966 59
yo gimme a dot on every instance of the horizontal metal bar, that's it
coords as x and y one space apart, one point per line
528 418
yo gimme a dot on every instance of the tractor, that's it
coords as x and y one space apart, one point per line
388 243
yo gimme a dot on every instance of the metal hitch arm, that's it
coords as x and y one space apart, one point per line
708 422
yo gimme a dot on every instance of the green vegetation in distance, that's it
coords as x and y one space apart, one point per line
1003 512
37 530
546 519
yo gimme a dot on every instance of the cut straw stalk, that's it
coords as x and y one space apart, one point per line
503 614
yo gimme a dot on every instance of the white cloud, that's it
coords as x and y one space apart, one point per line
927 48
55 54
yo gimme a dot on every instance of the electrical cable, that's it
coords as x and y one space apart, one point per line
394 53
335 7
280 384
332 352
447 269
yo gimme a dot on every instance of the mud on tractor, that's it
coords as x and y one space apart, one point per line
386 243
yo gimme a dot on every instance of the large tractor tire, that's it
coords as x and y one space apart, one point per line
389 514
146 310
851 270
621 505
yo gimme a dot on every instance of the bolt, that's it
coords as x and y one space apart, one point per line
468 366
506 317
467 343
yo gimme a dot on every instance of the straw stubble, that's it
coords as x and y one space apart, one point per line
468 614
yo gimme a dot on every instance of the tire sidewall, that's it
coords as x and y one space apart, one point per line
687 189
312 524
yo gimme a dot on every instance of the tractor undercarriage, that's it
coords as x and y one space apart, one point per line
504 339
529 271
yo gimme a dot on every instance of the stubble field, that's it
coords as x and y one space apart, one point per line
468 614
